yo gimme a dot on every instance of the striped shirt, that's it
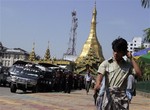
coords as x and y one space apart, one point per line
116 75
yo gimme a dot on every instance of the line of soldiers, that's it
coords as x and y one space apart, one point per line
67 81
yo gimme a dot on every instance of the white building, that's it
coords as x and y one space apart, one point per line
10 55
136 44
146 45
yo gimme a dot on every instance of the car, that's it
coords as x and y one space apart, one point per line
12 71
33 77
24 80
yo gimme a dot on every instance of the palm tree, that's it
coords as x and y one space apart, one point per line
145 3
147 35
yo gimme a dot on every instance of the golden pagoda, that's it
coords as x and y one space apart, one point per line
47 54
91 52
32 55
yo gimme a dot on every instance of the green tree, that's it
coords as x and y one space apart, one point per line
147 35
145 3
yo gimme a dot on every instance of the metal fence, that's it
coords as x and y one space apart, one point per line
143 86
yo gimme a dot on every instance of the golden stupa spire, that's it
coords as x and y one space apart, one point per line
32 54
47 54
92 41
91 45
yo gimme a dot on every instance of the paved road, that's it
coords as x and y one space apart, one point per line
77 100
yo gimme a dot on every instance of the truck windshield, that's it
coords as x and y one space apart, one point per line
15 70
30 72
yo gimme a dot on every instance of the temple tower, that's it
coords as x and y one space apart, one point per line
32 55
91 53
47 54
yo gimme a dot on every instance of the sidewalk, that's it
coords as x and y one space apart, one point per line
76 100
140 102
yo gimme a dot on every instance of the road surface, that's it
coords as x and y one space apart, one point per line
76 100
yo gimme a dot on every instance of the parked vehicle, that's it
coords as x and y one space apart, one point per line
3 76
13 70
31 77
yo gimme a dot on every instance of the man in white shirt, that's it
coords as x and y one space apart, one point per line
88 79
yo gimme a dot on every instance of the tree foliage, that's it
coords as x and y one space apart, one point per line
145 67
145 3
147 35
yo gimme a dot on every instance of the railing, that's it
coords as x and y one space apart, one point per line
143 86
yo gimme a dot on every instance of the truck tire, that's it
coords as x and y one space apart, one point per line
35 89
13 88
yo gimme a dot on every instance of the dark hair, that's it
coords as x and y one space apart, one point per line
120 45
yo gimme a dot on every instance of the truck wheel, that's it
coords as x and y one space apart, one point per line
4 84
35 89
13 88
24 90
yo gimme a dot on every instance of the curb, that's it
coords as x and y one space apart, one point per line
147 95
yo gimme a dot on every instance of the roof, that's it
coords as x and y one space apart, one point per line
16 50
21 62
48 65
141 52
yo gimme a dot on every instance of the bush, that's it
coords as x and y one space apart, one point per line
143 86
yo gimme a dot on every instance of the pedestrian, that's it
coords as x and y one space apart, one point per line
69 82
88 79
115 71
93 83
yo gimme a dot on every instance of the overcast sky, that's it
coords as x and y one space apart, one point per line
23 22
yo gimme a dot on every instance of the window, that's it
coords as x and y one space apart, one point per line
9 56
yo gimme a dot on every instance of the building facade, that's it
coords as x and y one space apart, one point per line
136 44
10 55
